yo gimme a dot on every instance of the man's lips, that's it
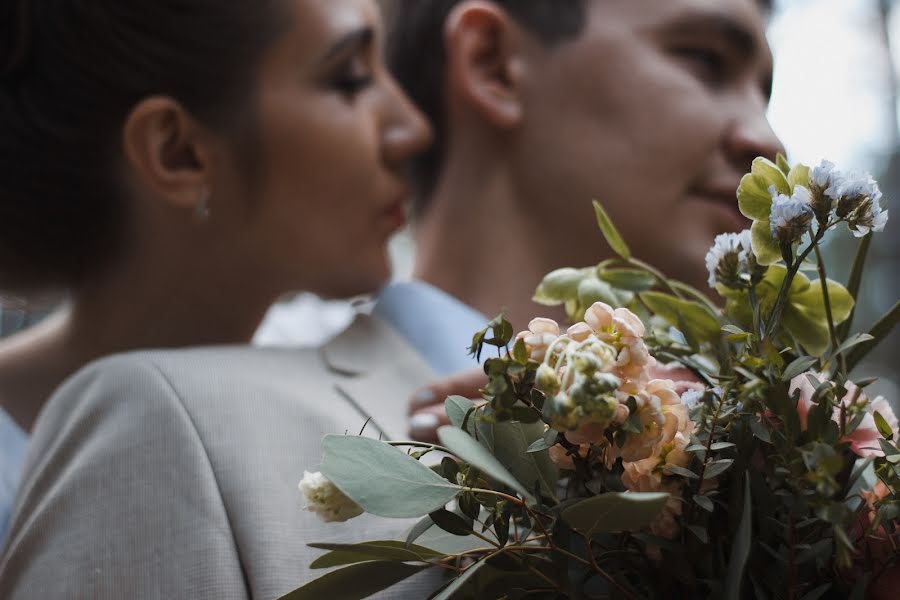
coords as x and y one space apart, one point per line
724 198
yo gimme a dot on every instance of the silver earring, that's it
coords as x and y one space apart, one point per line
201 209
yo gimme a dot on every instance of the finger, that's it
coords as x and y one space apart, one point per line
467 385
423 424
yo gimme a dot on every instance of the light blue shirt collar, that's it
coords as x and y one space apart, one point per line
13 442
437 325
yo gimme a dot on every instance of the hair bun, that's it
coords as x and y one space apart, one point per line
15 36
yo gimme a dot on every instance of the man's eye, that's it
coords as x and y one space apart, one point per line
708 64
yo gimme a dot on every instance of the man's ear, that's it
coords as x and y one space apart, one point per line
484 65
168 151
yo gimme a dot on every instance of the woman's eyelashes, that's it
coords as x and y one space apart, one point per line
352 76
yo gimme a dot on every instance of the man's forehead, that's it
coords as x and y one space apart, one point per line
747 15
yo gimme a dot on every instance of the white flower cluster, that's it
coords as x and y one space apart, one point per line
792 215
852 197
326 500
730 259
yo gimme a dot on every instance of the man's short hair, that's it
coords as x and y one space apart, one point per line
417 58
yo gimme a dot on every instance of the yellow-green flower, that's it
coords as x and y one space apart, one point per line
804 316
755 201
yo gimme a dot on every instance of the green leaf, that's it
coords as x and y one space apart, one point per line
469 450
347 554
740 548
457 408
760 430
700 532
716 468
721 446
417 530
383 480
856 340
356 581
855 280
810 331
693 316
614 512
592 290
448 592
798 367
451 522
764 245
633 280
681 471
511 443
612 235
879 331
559 286
704 503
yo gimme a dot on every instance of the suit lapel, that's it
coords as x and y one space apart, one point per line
376 371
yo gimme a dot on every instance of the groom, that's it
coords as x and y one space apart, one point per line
656 108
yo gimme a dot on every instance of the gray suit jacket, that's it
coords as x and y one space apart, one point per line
173 474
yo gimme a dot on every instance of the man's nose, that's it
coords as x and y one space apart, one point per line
751 135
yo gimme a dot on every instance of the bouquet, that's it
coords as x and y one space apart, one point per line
661 446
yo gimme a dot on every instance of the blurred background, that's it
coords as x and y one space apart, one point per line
835 96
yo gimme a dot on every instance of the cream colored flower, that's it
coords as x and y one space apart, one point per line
326 500
624 331
579 332
540 336
639 446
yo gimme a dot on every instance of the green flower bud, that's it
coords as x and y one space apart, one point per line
547 380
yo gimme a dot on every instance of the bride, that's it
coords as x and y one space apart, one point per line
175 167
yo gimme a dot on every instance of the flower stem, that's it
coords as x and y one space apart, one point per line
832 332
793 269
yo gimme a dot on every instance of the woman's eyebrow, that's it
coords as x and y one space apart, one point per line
359 39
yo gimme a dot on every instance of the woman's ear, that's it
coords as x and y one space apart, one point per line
484 63
168 151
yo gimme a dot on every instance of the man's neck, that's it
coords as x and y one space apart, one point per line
477 243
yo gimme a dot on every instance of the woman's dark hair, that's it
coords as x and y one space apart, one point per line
71 71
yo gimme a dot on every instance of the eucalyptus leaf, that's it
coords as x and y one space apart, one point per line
704 503
457 408
740 548
612 235
798 367
417 530
693 316
633 280
356 581
716 468
614 512
469 450
856 340
511 446
347 554
448 592
383 480
681 471
452 522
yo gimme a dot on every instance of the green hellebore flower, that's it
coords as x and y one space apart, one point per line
755 202
804 317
